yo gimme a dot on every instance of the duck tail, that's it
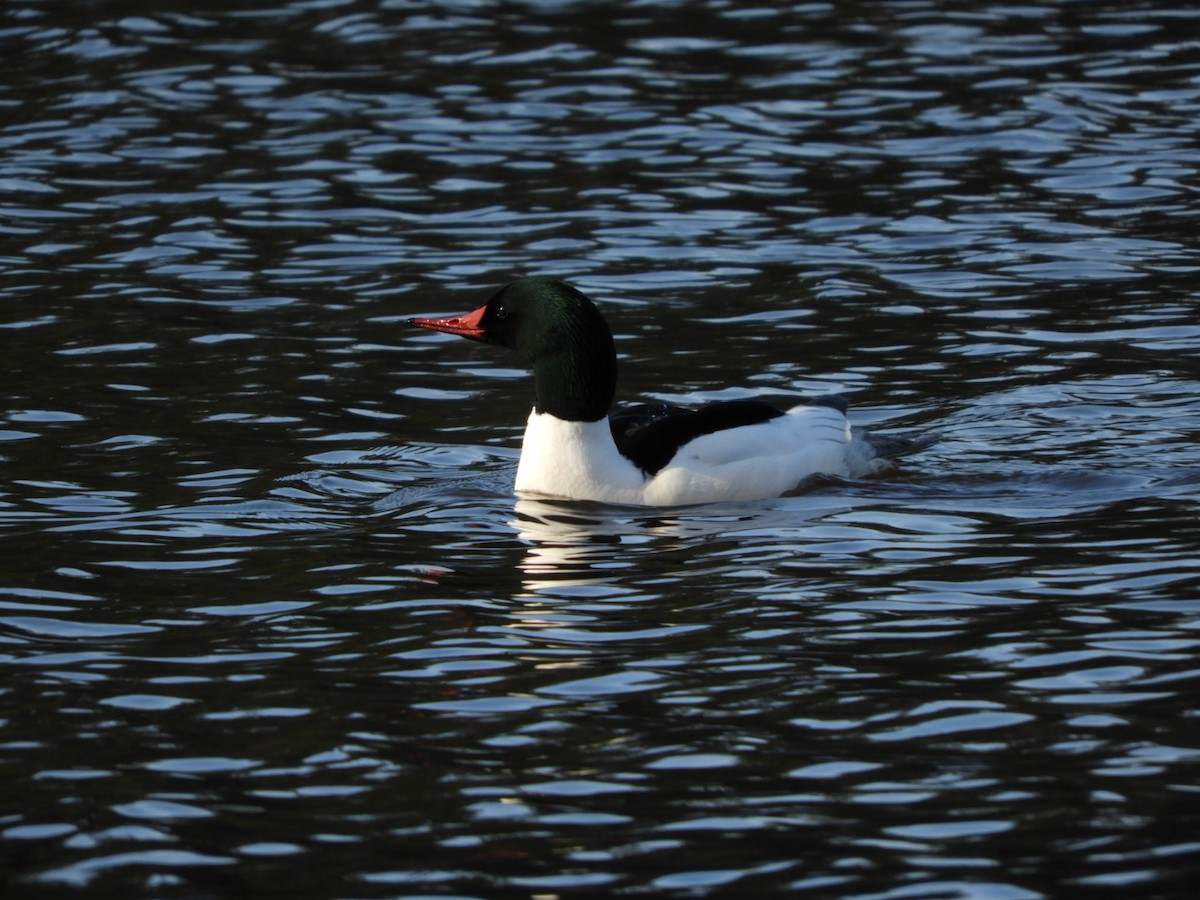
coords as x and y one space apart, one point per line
890 446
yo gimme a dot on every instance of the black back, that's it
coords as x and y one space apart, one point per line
651 434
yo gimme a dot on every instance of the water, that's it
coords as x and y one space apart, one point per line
272 622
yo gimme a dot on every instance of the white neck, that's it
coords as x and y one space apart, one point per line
577 460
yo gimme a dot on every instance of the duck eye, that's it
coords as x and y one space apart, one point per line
501 312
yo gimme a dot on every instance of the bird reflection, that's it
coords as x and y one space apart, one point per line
589 549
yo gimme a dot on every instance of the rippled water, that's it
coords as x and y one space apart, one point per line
272 622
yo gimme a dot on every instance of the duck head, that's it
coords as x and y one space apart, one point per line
557 332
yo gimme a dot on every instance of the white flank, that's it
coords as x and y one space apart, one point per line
580 461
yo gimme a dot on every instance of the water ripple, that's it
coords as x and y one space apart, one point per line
269 609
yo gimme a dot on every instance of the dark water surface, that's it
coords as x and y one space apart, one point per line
272 623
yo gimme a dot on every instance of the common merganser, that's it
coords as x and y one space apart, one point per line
654 454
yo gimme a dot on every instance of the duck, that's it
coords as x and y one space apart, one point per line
652 454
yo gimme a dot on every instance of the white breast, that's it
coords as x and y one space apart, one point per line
577 460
